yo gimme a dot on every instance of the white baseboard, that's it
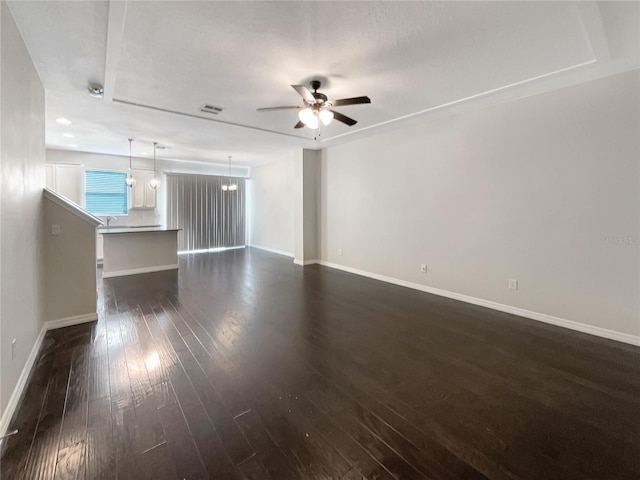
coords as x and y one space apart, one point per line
305 262
272 250
541 317
136 271
69 321
16 395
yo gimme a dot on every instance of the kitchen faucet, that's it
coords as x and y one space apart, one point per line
109 220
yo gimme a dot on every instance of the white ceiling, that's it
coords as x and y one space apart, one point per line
161 61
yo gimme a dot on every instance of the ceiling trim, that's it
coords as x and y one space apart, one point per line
232 124
115 28
463 100
589 14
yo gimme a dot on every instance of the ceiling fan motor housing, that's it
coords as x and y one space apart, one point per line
320 97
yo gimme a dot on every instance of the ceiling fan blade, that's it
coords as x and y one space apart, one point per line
349 101
343 118
275 108
299 125
304 93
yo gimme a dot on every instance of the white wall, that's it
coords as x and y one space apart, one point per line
22 179
270 206
118 162
529 190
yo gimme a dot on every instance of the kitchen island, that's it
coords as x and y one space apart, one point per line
134 250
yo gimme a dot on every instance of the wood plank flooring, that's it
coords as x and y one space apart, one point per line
245 366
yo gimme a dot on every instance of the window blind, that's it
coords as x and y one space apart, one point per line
106 192
208 216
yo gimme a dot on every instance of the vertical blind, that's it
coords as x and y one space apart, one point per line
208 216
105 192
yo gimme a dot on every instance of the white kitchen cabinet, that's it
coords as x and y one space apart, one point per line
99 247
142 195
66 180
50 170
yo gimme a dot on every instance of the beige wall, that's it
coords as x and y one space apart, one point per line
139 252
22 179
70 259
544 190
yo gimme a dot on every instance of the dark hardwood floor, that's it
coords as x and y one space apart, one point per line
243 365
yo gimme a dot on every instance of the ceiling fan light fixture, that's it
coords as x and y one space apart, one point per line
326 116
306 115
317 107
313 124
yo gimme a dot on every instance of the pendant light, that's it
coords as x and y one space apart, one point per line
231 186
155 181
130 181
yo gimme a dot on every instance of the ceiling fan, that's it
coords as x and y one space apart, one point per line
318 108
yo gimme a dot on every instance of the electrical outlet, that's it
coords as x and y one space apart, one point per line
513 284
55 229
423 268
340 251
14 348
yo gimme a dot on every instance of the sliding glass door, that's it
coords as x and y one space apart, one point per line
208 212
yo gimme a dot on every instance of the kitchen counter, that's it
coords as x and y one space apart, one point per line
144 229
135 250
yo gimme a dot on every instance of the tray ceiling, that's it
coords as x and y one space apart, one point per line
160 62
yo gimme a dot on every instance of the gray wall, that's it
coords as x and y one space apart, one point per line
22 179
544 190
270 204
311 186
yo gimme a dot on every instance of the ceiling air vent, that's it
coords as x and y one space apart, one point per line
211 109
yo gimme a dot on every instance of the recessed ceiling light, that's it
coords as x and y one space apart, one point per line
63 121
69 135
73 145
144 153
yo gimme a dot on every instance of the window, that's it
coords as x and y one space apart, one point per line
105 192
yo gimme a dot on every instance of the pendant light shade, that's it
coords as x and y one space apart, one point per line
155 181
130 181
